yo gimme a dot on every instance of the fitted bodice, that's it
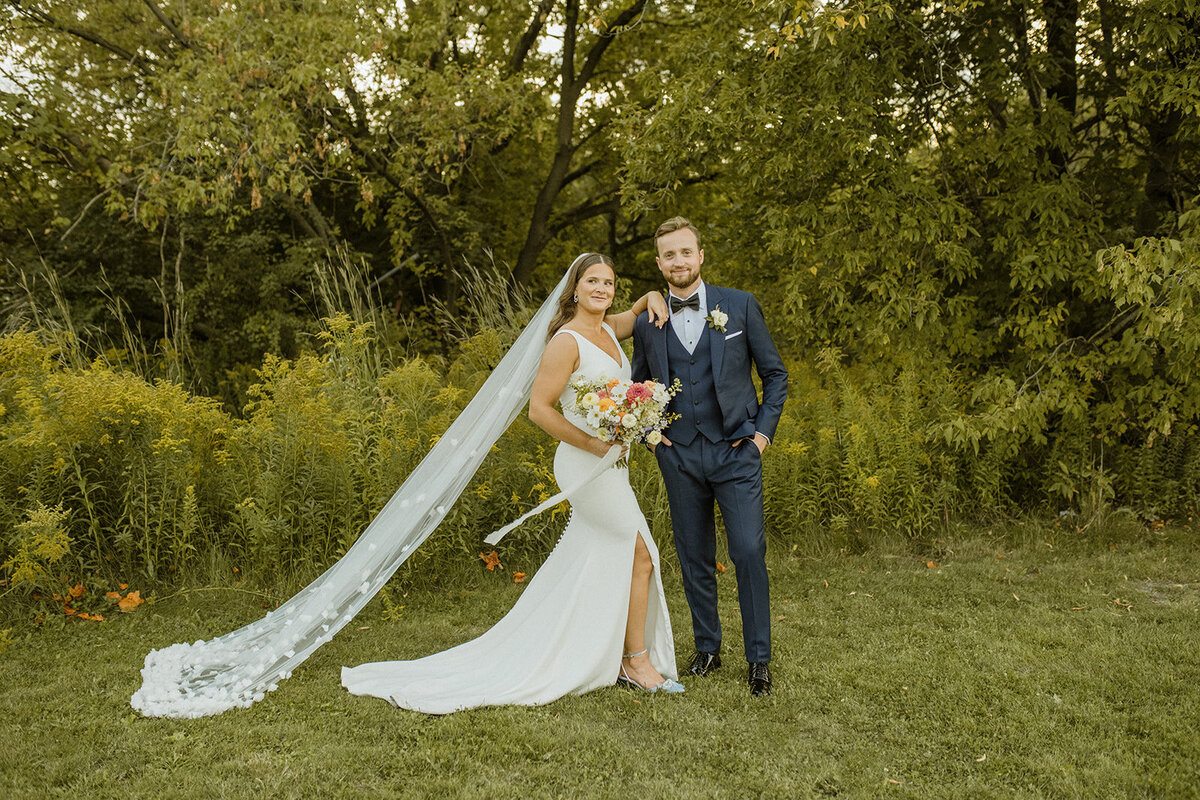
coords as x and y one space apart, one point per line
594 365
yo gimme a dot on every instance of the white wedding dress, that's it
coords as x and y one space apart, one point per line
566 632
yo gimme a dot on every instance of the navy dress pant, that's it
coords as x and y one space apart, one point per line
696 475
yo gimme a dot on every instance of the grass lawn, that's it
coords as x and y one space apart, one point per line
998 669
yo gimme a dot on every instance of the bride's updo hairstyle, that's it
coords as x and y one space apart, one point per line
566 300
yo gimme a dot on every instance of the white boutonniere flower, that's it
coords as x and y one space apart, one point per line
716 319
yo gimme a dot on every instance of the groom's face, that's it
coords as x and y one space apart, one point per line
679 258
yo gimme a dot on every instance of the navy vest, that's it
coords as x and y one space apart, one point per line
696 404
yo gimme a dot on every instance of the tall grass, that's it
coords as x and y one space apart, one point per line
151 482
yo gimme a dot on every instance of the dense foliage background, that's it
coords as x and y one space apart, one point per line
972 225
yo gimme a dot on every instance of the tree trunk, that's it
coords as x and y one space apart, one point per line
1062 19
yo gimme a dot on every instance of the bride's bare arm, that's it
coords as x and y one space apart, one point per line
622 324
558 362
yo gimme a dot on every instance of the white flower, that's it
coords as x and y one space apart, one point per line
589 400
653 437
717 319
629 420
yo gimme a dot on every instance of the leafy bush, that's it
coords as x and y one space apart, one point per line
105 476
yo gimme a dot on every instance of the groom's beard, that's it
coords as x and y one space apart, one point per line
684 281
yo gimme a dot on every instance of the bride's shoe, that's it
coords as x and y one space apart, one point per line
668 686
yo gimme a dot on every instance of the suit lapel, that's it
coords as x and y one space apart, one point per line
716 339
658 343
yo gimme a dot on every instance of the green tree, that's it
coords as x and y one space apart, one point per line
943 180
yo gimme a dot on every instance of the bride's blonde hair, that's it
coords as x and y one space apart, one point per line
566 300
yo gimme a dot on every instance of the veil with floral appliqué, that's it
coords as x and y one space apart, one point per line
238 669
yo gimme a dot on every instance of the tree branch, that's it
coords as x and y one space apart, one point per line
586 211
45 18
517 60
592 60
82 213
171 26
575 175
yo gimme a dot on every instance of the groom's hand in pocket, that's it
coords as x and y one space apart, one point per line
759 440
654 447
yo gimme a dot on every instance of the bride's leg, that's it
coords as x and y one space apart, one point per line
639 667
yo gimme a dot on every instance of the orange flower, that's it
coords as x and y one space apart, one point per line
492 560
612 382
68 611
932 564
720 567
123 586
113 595
606 404
77 590
92 617
518 577
130 601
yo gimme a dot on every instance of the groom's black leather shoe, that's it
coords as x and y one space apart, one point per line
760 680
703 663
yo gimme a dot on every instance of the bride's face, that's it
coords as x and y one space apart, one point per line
595 289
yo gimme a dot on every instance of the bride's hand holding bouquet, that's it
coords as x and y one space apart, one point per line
625 412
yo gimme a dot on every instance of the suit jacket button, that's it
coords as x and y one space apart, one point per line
696 403
693 361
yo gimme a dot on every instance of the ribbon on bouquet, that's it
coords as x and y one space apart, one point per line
603 464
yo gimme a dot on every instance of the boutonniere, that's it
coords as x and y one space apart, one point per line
716 319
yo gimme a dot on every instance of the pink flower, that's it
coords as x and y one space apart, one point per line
638 393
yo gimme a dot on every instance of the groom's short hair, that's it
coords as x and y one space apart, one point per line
675 224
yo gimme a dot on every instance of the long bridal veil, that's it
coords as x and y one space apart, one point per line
237 669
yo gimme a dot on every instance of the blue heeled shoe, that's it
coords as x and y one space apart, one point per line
668 685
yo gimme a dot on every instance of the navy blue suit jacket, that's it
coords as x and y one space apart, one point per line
745 341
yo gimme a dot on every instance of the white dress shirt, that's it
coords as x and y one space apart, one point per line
689 324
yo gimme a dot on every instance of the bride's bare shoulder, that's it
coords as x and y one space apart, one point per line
561 347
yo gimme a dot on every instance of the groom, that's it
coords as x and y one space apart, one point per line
714 450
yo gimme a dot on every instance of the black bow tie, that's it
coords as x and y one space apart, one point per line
692 302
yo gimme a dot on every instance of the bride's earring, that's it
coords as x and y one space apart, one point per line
575 298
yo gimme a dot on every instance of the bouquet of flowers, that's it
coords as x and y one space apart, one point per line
624 411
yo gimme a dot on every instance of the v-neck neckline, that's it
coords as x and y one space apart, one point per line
620 362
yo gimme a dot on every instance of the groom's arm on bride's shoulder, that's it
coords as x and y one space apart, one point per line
770 368
559 361
652 303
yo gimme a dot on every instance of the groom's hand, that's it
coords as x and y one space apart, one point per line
665 441
759 440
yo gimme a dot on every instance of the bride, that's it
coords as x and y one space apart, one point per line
594 614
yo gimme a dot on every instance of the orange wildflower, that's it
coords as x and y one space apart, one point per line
518 577
491 560
130 601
